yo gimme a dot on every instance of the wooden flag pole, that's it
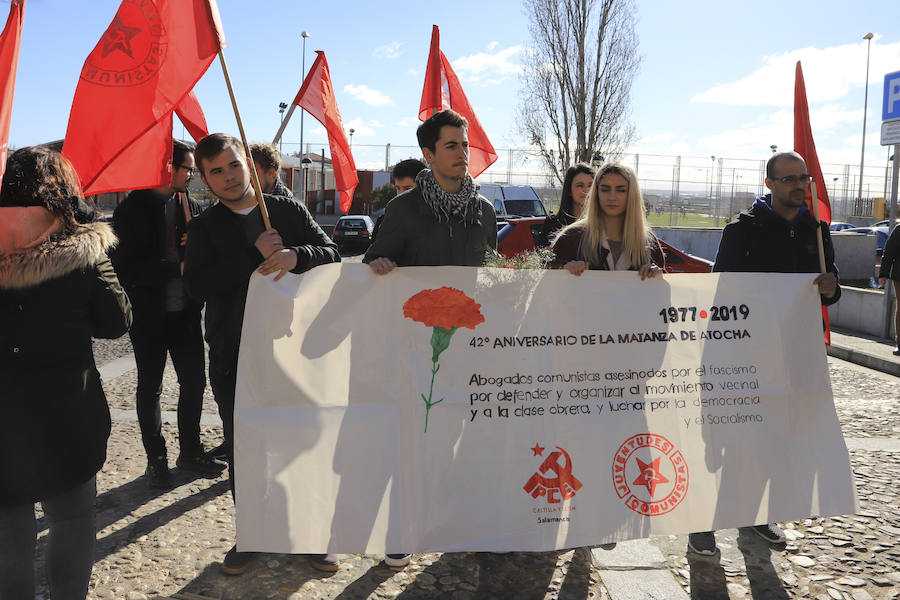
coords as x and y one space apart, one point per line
815 203
284 124
253 176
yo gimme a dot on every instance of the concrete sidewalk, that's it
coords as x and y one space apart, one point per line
874 353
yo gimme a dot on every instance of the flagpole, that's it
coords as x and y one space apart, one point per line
284 123
237 115
815 203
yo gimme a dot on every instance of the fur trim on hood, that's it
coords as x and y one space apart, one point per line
56 257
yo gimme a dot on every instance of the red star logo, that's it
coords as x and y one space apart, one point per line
118 37
538 450
649 476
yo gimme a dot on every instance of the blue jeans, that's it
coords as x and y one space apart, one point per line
70 545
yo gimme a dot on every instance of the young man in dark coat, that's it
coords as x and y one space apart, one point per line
441 221
151 225
776 235
226 244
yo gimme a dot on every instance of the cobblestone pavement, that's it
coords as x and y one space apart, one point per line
170 544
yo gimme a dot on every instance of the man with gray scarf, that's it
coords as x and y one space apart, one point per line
442 221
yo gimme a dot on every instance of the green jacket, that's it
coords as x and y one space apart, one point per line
411 236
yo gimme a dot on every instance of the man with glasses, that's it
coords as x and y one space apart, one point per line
152 229
776 235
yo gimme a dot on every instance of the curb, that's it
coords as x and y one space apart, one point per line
865 359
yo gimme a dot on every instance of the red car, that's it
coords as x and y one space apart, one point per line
518 235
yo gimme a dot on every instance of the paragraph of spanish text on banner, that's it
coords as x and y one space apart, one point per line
451 408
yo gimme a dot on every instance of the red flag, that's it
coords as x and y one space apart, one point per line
441 91
148 60
806 147
191 115
316 96
10 40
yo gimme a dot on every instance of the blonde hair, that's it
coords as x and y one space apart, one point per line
635 233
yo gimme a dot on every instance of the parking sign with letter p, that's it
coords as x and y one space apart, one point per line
891 106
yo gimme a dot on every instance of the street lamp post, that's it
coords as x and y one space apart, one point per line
774 147
352 131
304 35
862 156
281 107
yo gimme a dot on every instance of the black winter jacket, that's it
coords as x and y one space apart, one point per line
53 299
411 237
762 241
220 259
140 256
890 258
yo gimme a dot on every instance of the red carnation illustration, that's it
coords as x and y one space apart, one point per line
445 309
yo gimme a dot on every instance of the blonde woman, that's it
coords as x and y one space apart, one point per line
612 234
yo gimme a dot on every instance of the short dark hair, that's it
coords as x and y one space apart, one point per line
775 158
407 168
213 144
266 155
39 176
429 131
566 202
180 149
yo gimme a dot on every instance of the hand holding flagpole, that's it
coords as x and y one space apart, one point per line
237 115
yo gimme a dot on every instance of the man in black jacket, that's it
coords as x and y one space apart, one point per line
151 226
225 245
890 270
776 235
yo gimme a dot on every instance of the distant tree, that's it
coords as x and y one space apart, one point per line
577 78
382 195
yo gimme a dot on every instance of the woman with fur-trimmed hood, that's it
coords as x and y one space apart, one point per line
57 291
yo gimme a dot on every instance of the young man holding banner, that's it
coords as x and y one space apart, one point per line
441 221
776 235
226 244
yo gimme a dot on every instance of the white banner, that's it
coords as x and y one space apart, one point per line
452 408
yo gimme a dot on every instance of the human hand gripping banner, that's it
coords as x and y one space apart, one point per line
453 408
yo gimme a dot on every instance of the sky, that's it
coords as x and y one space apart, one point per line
716 78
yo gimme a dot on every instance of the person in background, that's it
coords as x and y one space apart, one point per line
575 189
890 269
152 229
404 176
267 161
58 289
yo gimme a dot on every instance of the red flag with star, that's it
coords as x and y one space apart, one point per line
316 96
144 66
806 147
10 41
441 91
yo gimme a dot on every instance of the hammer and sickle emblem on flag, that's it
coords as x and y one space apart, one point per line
560 487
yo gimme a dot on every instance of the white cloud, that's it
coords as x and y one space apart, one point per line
829 74
412 71
360 127
364 93
376 123
389 51
487 68
405 123
492 45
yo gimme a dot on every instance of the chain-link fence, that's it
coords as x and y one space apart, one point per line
713 186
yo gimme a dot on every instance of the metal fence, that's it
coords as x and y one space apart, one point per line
712 185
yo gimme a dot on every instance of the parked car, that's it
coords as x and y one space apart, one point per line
837 226
880 233
353 230
517 235
516 200
885 223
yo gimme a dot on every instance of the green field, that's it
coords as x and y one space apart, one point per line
689 220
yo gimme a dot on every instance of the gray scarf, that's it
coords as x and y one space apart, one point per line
462 207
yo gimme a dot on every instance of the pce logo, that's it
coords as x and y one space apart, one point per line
553 480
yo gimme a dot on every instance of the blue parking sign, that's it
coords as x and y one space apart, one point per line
891 107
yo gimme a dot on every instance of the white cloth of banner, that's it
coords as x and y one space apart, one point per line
562 411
